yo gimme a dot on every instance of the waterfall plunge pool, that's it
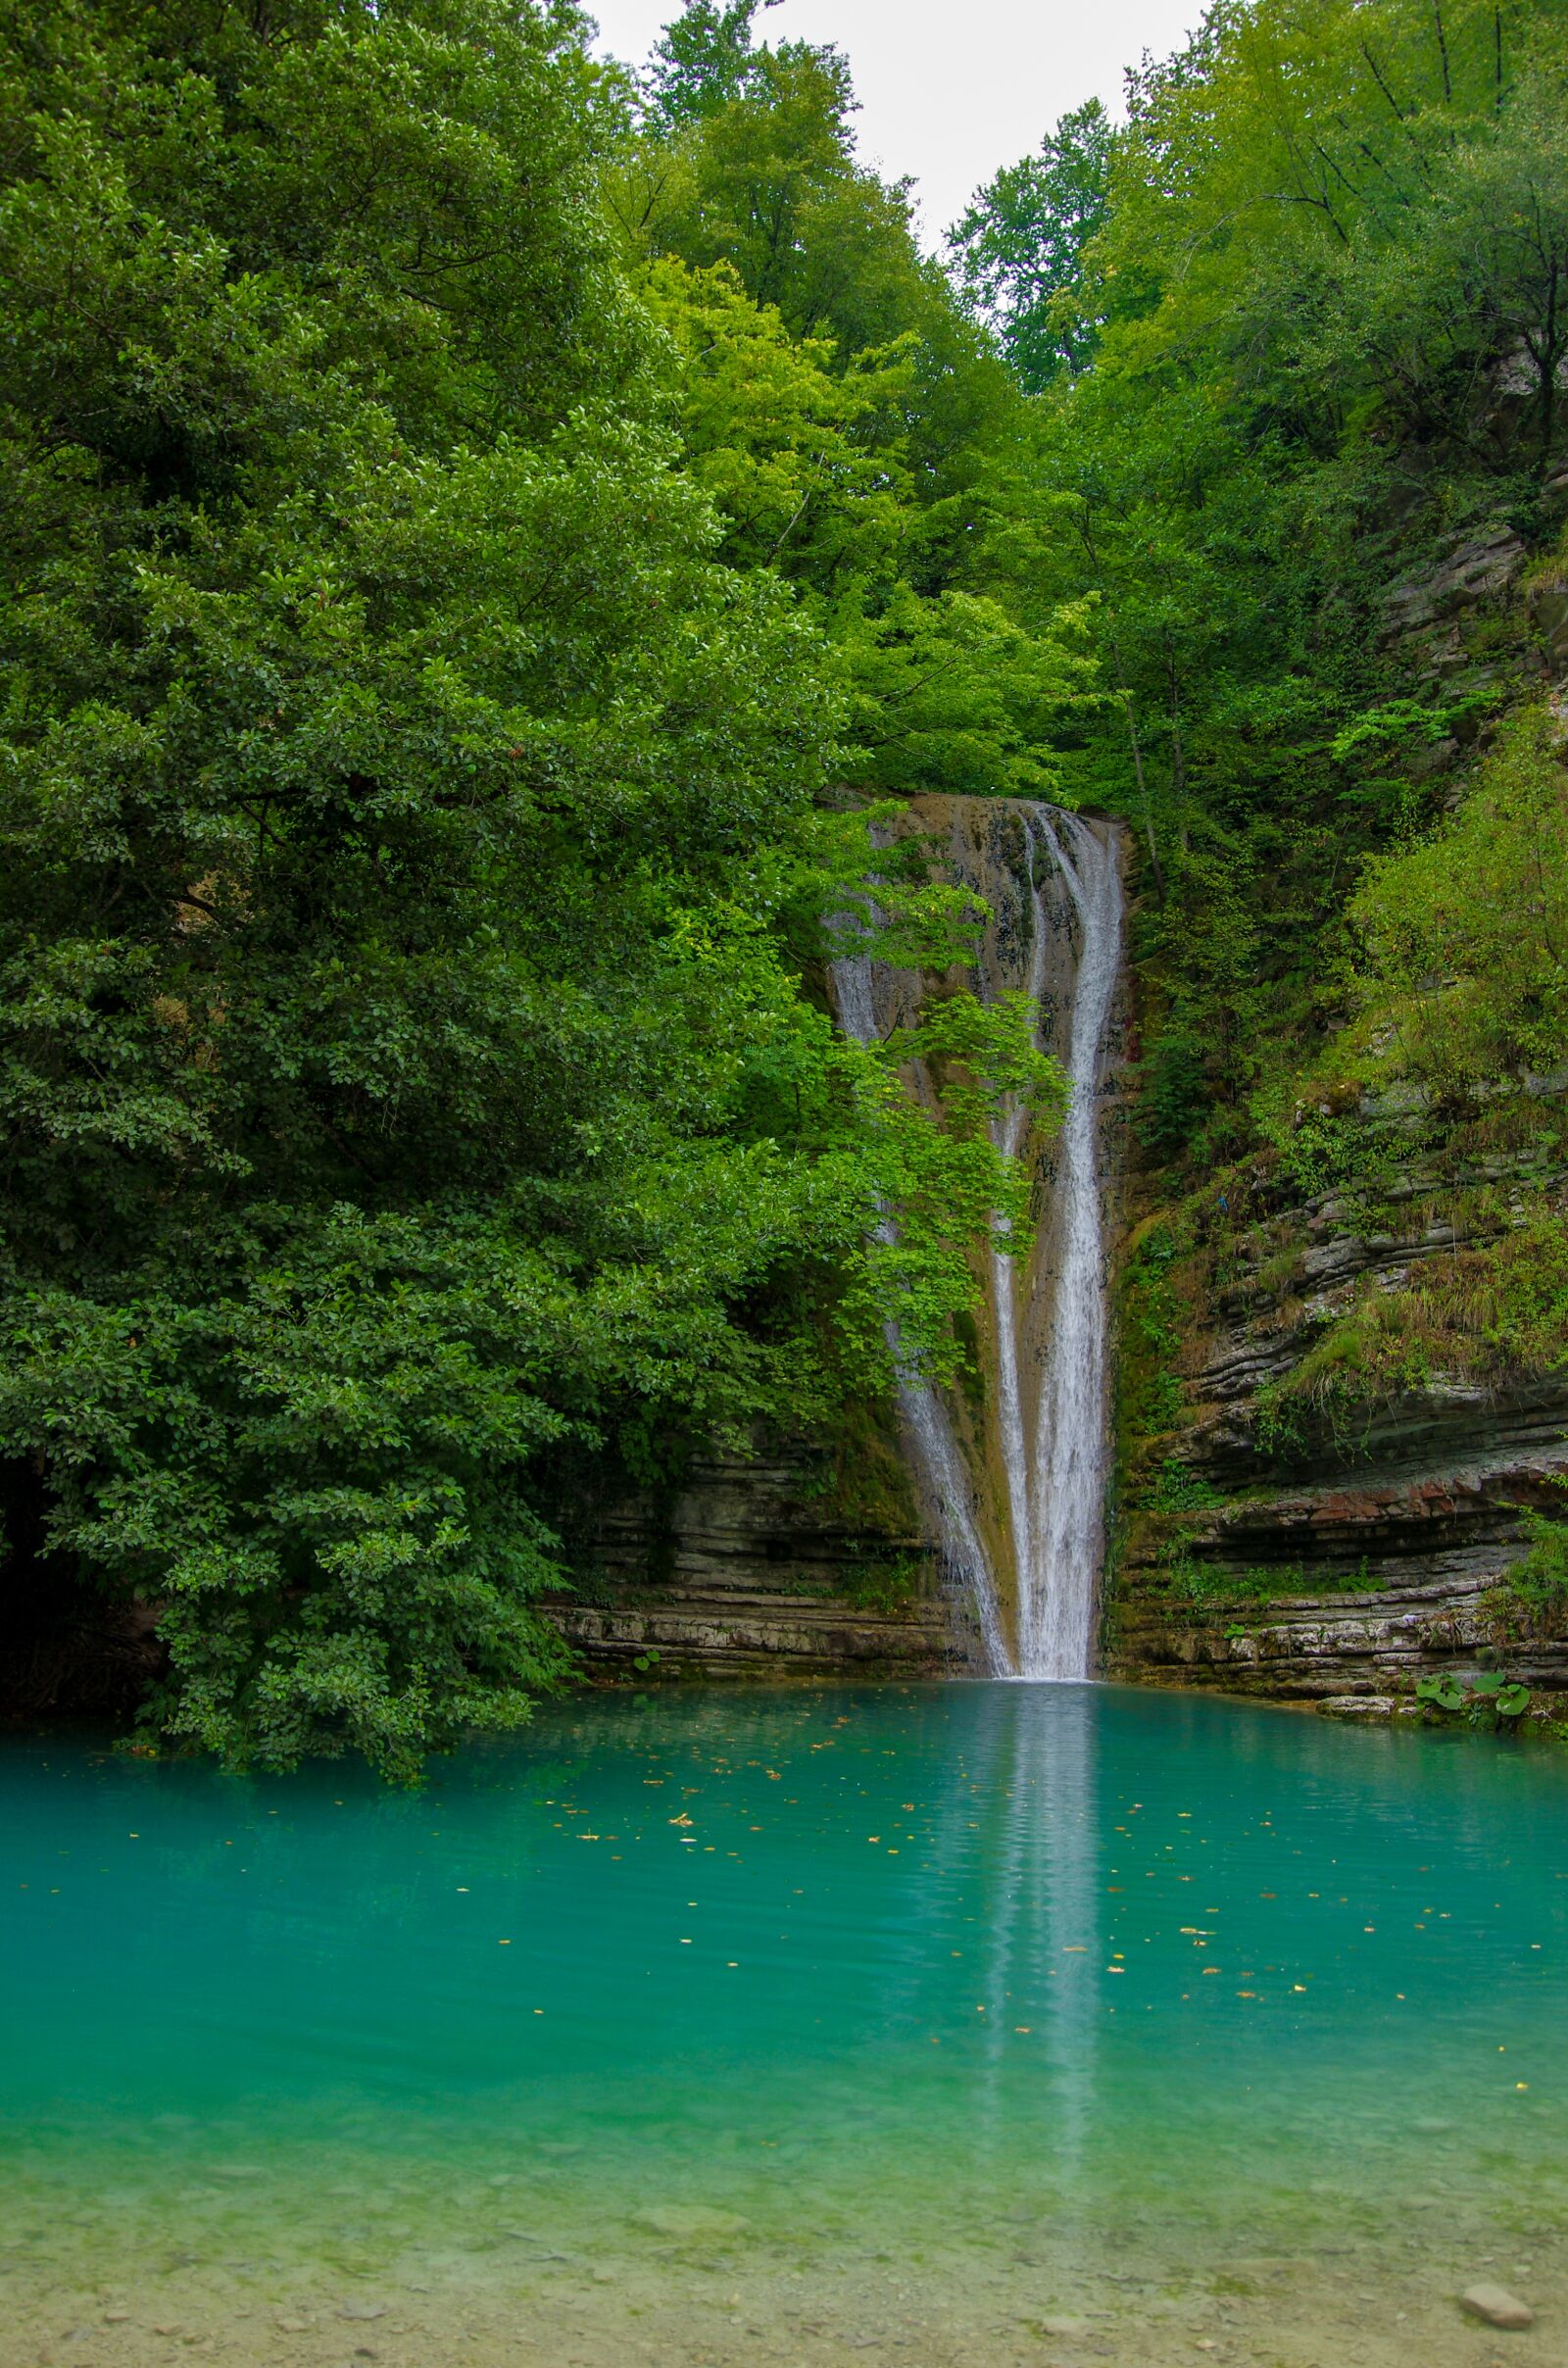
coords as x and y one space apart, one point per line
979 2023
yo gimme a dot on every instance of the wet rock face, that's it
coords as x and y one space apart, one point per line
1343 1651
749 1570
1481 567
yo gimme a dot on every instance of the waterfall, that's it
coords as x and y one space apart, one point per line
922 1417
1007 1134
1067 1470
1030 1557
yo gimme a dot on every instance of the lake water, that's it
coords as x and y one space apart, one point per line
974 2023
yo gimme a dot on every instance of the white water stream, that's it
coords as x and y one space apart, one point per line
921 1412
1048 1317
1063 1477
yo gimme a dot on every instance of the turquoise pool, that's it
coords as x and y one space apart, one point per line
1022 2018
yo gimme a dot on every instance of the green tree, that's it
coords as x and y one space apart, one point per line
850 420
1477 279
1017 250
702 58
804 460
766 179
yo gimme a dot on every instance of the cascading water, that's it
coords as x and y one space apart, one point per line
1066 1472
921 1413
1029 1551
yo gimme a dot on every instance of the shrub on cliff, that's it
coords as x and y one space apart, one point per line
1465 934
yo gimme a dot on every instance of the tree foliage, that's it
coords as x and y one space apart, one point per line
411 862
1464 936
1018 249
701 57
1325 299
850 421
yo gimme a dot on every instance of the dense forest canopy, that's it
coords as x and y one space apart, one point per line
483 530
1313 341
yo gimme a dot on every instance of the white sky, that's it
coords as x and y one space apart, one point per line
950 90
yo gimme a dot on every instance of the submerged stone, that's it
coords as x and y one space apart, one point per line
1497 2305
692 2223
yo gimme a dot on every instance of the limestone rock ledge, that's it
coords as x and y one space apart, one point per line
749 1571
1335 1650
1340 1563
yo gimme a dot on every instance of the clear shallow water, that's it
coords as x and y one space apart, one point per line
1027 1982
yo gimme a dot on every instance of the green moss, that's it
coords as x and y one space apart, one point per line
1159 1298
1216 1587
1492 1312
1531 1600
865 1479
1177 1489
891 1584
1280 1273
971 1378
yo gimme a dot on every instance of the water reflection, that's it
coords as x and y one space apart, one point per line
1032 1760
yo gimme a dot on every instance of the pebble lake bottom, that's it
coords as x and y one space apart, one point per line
966 2024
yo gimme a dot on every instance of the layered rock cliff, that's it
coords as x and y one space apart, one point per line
762 1565
1343 1404
1321 1533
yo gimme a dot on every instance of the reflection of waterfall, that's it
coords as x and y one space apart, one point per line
1034 1755
1029 1555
